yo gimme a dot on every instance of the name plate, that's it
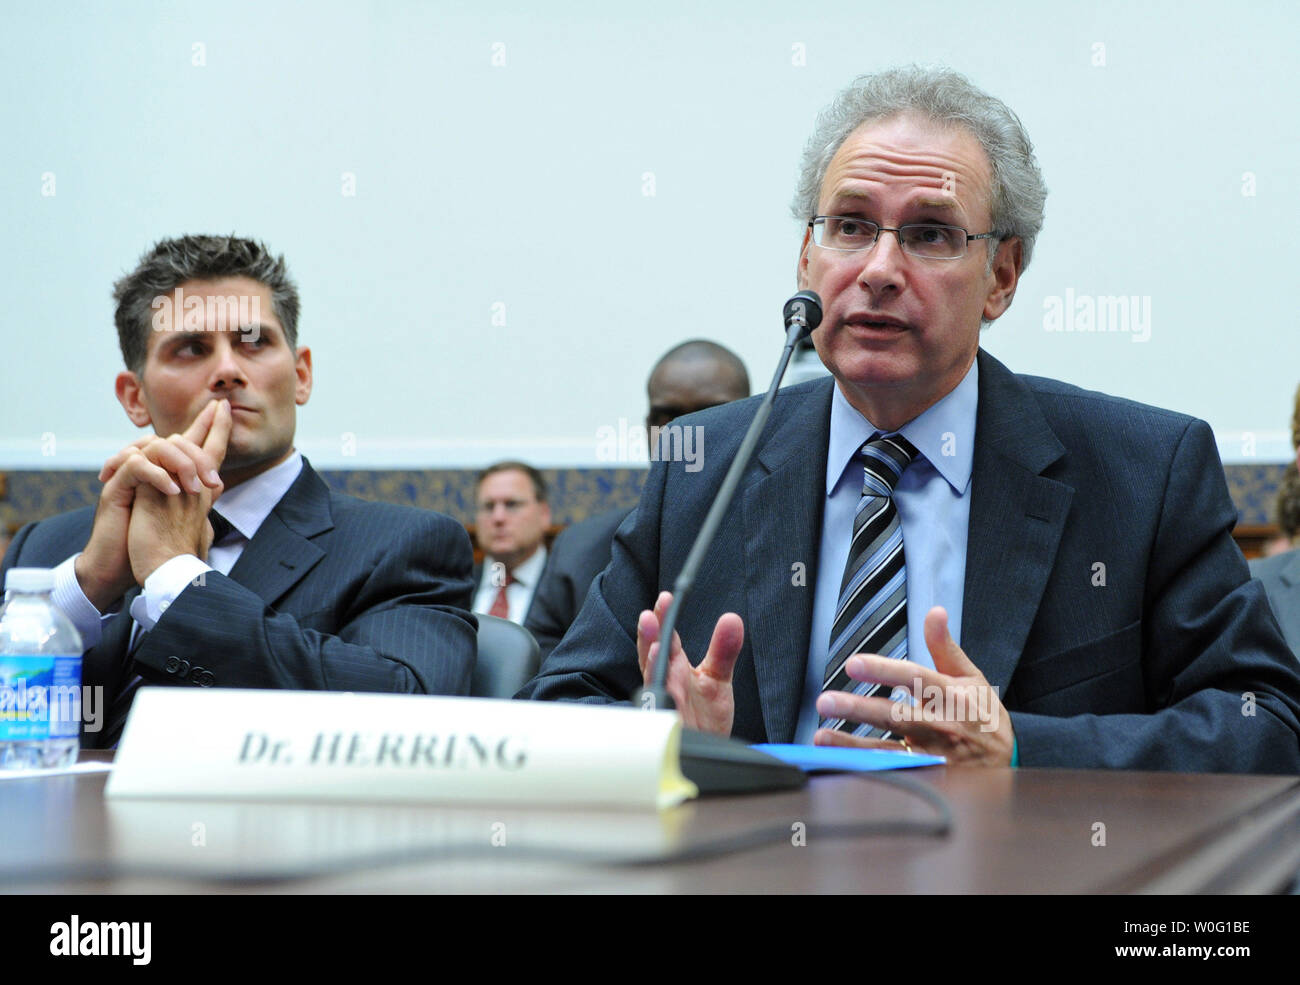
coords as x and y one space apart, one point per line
318 745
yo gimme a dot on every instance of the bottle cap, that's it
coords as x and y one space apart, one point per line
29 580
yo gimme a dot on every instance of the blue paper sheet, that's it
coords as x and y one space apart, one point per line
818 759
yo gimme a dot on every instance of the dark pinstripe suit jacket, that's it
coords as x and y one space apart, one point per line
333 593
1104 594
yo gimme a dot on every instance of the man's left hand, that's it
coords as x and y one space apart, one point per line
957 714
163 527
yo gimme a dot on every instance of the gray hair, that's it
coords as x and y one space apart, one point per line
945 97
173 262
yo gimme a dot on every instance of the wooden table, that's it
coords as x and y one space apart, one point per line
1013 831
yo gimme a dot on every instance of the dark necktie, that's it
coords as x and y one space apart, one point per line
221 527
871 614
501 604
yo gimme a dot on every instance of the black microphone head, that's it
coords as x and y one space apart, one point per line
805 307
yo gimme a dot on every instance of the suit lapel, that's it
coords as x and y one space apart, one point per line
281 553
1017 517
782 521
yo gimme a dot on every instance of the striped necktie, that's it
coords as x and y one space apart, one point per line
871 614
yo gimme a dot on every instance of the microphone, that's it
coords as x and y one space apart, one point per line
715 763
805 310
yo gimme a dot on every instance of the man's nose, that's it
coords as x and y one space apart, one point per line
226 370
882 265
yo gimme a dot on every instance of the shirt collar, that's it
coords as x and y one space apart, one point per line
251 502
944 434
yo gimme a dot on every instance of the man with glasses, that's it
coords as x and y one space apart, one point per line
929 552
512 519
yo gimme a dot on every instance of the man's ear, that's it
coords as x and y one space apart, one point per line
130 394
801 265
302 367
1008 261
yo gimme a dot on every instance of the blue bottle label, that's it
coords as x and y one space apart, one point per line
40 697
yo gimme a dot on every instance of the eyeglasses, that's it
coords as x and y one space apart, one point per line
930 240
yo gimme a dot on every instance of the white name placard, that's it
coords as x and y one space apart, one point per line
317 745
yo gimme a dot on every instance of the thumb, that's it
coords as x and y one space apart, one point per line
948 657
724 647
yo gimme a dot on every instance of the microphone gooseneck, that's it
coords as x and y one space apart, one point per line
802 314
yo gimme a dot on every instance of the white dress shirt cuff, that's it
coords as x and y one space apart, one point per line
72 602
163 586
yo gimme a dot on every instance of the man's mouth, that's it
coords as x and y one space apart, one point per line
885 323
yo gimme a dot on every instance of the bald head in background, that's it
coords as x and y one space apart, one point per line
692 376
688 377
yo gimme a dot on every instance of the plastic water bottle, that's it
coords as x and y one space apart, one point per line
40 676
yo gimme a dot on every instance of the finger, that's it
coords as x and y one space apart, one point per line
167 454
219 435
205 466
647 634
202 424
662 604
832 737
115 463
948 657
879 713
875 669
724 648
139 471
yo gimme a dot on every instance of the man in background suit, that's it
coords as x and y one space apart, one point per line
513 516
297 587
1280 573
690 376
1078 546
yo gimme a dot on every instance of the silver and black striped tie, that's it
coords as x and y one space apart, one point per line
871 615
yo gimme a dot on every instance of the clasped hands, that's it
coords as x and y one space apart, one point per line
955 712
154 506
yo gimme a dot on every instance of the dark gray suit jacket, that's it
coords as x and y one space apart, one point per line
1280 576
332 593
578 555
1165 658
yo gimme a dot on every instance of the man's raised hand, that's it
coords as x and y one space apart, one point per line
104 569
957 713
702 694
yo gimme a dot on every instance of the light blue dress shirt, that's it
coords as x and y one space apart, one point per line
933 501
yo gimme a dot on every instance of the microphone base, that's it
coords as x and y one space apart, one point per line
719 765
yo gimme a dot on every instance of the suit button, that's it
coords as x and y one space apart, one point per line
172 665
204 678
183 669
